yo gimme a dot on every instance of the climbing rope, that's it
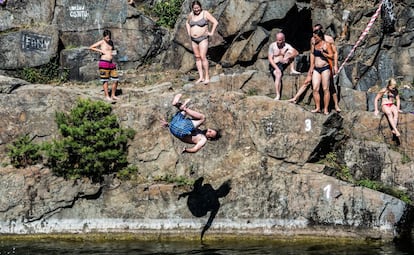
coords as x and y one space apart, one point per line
388 9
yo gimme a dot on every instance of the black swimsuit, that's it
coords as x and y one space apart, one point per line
322 69
318 53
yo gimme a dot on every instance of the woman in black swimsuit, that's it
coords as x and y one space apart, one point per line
321 51
197 29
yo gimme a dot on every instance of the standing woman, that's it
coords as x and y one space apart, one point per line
388 95
107 69
197 29
321 51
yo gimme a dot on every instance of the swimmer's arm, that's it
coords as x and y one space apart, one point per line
328 52
291 54
212 20
397 98
379 95
187 25
201 142
312 62
95 46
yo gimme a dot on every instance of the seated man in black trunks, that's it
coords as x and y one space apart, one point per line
280 55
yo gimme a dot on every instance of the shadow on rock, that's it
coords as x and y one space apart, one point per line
203 199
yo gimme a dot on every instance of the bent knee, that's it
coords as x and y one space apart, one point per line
277 73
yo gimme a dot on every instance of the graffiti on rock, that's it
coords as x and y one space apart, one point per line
32 41
78 11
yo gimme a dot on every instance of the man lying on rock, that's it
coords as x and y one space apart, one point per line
187 129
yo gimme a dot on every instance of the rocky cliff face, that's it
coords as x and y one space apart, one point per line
270 150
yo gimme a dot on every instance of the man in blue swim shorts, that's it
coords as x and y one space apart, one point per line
186 129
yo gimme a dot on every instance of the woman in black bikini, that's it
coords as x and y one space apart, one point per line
197 29
389 96
321 51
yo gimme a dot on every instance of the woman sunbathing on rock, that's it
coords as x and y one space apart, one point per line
388 95
187 129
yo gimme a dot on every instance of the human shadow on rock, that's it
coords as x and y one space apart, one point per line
204 198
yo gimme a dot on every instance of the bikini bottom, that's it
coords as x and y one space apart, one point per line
198 40
322 69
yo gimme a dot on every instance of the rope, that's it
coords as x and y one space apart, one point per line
362 36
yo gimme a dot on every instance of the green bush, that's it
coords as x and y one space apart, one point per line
92 144
50 72
343 173
375 185
23 152
252 92
127 173
405 158
167 12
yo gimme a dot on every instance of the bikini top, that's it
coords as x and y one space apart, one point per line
318 53
390 95
201 22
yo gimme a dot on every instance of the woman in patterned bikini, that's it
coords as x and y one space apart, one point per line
197 29
389 96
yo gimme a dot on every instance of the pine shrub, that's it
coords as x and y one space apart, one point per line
92 142
23 152
168 12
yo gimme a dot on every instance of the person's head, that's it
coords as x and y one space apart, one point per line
392 84
212 134
317 27
280 40
196 7
318 35
108 37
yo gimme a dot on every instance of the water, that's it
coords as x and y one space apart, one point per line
194 248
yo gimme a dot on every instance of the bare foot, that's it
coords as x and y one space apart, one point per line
199 80
277 98
114 98
337 109
206 82
176 99
326 113
292 100
108 99
316 111
294 72
184 105
397 134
